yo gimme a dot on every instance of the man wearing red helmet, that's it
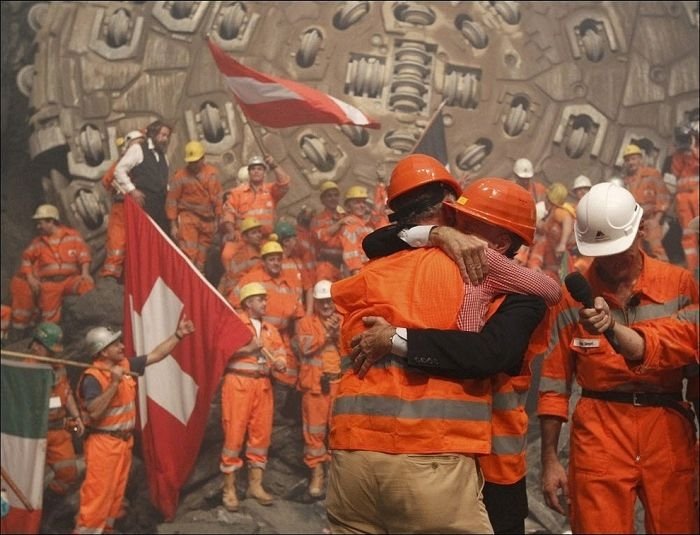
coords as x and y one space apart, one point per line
385 425
500 212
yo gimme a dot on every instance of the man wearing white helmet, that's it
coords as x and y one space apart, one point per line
107 394
256 198
582 185
55 264
193 204
631 434
523 172
318 345
116 224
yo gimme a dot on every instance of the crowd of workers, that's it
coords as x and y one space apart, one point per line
421 424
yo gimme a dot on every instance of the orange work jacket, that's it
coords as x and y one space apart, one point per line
256 362
660 291
395 409
63 253
649 190
328 246
200 194
244 202
351 236
317 354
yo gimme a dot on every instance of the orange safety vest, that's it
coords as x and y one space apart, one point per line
121 412
395 409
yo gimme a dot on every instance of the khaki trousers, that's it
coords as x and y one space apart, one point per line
371 492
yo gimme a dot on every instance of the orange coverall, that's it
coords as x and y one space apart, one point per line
195 202
319 357
685 166
543 253
107 453
283 307
329 250
351 236
246 402
649 190
244 202
238 258
116 229
620 451
56 261
60 453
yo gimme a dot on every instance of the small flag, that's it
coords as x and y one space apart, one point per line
279 103
25 392
433 142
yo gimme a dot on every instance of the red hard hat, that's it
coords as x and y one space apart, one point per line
418 170
499 202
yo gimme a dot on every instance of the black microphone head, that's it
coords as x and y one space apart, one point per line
579 289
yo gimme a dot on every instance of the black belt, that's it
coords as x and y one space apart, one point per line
673 401
332 376
122 435
55 278
57 424
254 375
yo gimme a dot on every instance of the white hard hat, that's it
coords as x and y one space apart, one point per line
134 134
607 220
257 160
243 175
98 338
523 168
582 181
46 211
322 289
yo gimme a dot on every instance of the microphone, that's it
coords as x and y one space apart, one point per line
581 291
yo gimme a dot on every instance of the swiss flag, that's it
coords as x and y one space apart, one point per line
175 394
278 103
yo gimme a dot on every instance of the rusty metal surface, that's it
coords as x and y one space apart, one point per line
566 85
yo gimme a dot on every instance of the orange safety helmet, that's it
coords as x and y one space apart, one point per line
499 202
418 170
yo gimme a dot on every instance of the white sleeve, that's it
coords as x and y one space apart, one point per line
399 342
132 157
418 236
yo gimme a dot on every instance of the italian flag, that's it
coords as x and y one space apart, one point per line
24 392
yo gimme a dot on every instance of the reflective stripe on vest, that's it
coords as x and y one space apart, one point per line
395 409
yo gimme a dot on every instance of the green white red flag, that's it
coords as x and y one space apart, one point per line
25 390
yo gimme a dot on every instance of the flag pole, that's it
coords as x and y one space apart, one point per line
430 123
258 141
51 360
16 490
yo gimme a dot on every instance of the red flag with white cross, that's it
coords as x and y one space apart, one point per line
175 394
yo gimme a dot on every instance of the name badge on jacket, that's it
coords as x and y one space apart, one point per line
586 342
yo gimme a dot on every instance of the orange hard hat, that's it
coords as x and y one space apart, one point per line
499 202
418 170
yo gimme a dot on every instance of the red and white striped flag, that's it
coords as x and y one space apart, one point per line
175 394
279 103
